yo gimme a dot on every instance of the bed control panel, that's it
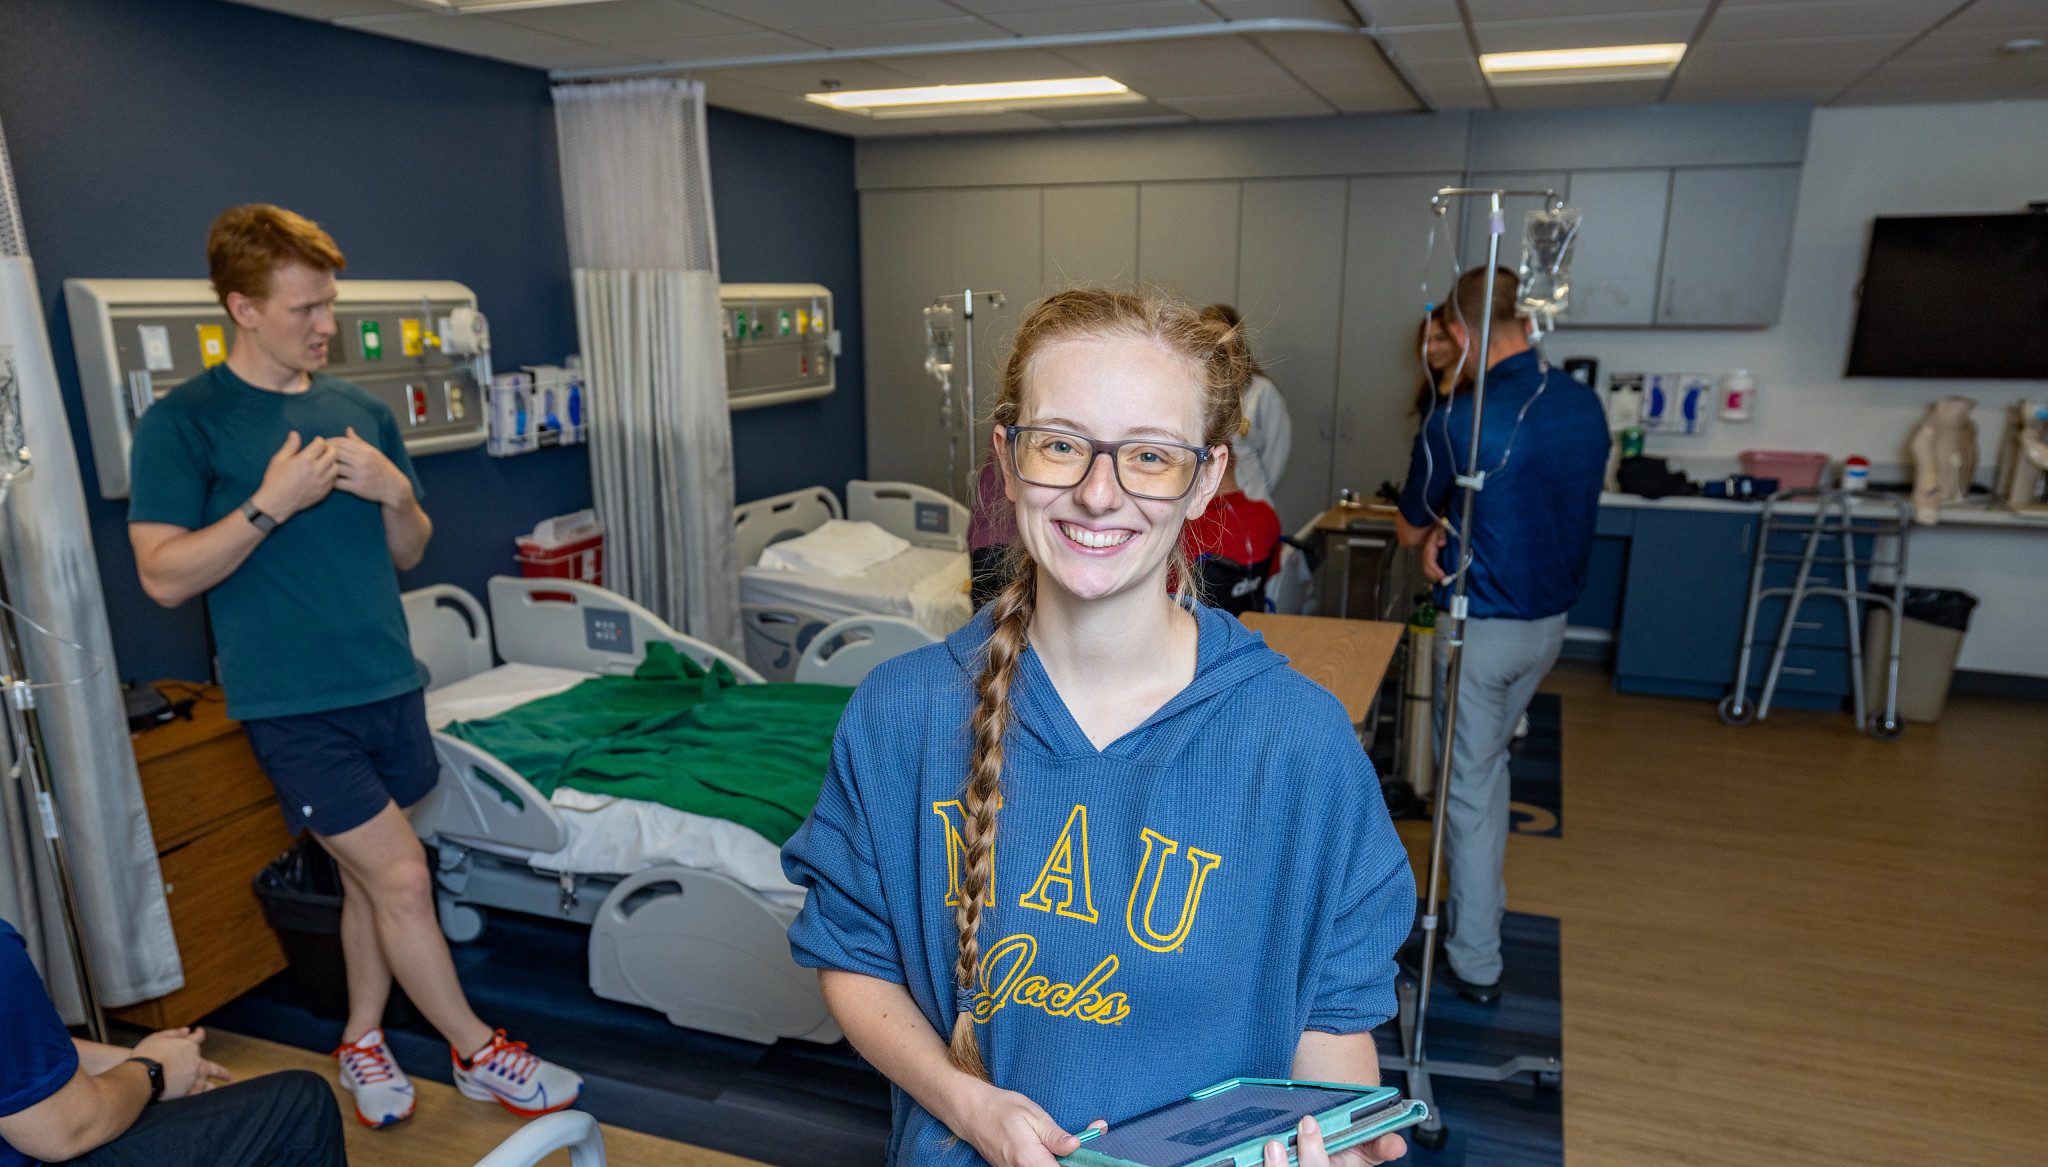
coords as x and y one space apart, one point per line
781 342
419 346
607 630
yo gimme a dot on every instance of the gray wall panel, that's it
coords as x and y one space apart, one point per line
996 247
1380 366
906 259
1287 148
1187 239
1514 213
1726 248
1640 136
1290 288
1621 242
1091 236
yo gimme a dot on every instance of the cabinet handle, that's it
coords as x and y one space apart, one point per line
1812 625
1796 671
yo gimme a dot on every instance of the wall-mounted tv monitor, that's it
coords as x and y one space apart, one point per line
1954 296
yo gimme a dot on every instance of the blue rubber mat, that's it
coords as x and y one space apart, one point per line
797 1104
1536 771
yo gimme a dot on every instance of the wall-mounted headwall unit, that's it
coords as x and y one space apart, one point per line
420 346
1316 229
781 342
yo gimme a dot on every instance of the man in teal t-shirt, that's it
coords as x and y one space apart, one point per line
285 497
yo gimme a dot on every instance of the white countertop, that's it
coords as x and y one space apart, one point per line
1972 514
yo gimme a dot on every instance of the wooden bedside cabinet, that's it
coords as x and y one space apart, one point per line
216 823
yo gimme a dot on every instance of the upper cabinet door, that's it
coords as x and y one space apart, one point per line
1187 239
1514 214
1621 239
1727 245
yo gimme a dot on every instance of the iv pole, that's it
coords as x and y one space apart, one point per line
1414 1000
24 728
966 297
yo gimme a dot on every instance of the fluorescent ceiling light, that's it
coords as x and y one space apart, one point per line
1605 63
988 97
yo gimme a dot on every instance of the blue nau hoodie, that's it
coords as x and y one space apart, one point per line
1168 912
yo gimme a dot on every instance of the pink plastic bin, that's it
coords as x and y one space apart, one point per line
1794 469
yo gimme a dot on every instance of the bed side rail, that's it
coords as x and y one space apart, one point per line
573 625
784 516
920 514
449 631
480 799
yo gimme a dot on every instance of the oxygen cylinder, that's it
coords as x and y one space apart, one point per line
1418 706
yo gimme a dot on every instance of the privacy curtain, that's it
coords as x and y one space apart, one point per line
53 579
636 194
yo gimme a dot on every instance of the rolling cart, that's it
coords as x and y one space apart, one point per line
1836 548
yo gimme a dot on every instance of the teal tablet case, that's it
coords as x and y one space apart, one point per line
1229 1124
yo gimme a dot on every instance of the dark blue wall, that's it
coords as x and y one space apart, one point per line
133 122
787 214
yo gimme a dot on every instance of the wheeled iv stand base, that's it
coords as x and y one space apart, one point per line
1413 1061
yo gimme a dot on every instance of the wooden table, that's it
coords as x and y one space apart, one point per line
1347 657
216 824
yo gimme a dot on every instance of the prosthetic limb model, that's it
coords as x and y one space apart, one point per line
1944 447
2023 459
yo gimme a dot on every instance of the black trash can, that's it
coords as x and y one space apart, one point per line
301 896
1930 640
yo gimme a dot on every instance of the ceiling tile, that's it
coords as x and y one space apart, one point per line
1105 17
715 48
1439 42
1586 32
807 78
1258 105
1450 84
1580 94
627 22
794 15
332 9
1975 44
2004 69
1738 23
484 37
972 68
1733 89
1283 10
1765 62
904 32
1008 7
1495 11
1348 72
970 124
1102 115
1874 94
1405 13
2002 14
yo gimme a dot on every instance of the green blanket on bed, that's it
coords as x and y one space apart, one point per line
679 735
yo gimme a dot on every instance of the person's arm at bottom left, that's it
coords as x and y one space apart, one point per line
85 1114
1339 1057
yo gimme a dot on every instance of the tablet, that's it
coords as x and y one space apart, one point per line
1229 1124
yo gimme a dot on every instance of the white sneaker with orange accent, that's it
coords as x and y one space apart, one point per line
368 1071
521 1082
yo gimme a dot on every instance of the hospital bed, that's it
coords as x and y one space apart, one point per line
782 611
688 914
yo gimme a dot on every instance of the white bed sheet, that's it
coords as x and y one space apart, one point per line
617 836
926 584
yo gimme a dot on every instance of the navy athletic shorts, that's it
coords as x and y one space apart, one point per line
335 770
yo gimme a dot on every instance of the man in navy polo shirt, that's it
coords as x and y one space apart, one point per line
69 1101
1543 446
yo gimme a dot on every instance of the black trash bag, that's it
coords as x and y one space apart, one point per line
1945 607
301 896
1652 478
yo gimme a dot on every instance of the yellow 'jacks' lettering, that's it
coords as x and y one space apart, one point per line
1005 978
1200 864
1067 869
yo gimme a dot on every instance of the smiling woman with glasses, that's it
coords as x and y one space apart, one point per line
1197 879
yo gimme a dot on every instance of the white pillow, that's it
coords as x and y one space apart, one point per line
837 548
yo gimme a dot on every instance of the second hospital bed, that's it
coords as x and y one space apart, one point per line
781 611
688 914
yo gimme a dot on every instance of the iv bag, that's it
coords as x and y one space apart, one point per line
938 338
1546 271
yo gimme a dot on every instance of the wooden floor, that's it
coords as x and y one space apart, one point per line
1784 945
1791 944
448 1130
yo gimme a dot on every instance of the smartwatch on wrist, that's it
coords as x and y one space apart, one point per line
156 1076
257 518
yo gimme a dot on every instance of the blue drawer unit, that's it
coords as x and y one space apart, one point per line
1682 604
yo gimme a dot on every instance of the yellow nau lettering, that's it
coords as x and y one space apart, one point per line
1200 864
954 816
1067 869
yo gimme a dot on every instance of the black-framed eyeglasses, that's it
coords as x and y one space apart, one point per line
1145 467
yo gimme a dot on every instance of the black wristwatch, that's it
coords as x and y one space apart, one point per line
156 1076
257 518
